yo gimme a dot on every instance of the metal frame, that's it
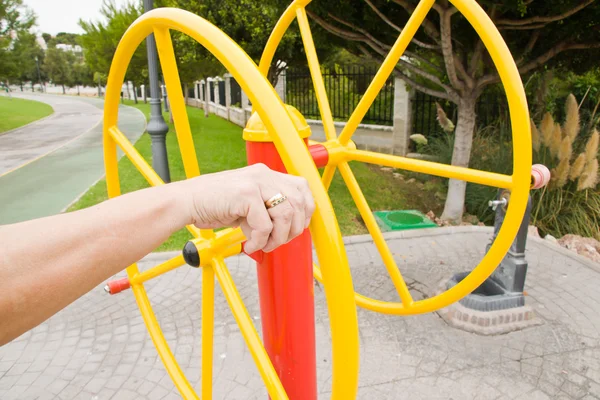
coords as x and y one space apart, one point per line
335 272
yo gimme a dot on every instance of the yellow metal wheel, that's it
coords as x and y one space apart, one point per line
342 151
215 247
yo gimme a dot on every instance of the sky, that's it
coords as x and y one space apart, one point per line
55 16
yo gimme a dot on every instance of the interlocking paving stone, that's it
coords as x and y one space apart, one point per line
98 348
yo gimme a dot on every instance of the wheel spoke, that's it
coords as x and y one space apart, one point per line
166 54
315 72
208 324
378 239
428 167
148 173
328 175
186 390
413 24
259 354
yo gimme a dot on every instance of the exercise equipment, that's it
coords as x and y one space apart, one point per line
283 127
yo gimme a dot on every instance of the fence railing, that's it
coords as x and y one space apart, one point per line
345 86
490 108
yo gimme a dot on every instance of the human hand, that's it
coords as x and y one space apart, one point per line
237 198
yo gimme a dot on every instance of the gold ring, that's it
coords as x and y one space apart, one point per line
275 200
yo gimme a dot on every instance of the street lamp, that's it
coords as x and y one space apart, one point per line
157 128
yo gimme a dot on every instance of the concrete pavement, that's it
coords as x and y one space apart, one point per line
44 166
98 347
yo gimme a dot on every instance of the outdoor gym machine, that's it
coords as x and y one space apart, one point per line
283 145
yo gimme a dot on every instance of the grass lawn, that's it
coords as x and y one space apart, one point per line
16 112
219 146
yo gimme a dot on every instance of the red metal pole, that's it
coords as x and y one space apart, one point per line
286 290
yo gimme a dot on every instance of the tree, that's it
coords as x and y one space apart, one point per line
25 50
59 66
101 39
15 19
446 58
249 23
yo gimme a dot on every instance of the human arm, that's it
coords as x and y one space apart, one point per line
46 264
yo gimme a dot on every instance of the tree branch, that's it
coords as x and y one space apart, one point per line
544 20
429 27
532 41
553 52
377 46
397 28
476 58
446 36
410 81
540 60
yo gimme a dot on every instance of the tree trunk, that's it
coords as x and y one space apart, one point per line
135 94
64 92
461 154
128 92
78 92
206 98
185 91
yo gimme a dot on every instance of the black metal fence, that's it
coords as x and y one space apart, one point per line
211 89
491 107
222 93
345 86
236 93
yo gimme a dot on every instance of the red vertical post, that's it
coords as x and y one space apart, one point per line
285 284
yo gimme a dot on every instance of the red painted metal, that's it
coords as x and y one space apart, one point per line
286 290
320 155
118 285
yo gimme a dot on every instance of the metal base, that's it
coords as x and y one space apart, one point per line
489 296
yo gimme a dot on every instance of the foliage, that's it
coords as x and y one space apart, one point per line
26 54
249 23
101 38
16 112
571 202
448 60
15 22
58 64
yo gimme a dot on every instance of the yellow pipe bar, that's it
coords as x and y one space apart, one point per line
315 72
277 34
164 45
147 172
179 379
405 37
158 270
136 158
259 354
432 168
378 239
328 175
208 324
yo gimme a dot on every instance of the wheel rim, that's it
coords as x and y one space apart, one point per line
324 228
518 183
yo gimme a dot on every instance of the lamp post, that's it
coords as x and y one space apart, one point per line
157 128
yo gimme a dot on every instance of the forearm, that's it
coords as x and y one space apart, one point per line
80 250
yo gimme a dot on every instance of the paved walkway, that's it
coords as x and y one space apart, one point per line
44 166
98 347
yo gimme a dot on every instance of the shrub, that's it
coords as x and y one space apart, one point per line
571 202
